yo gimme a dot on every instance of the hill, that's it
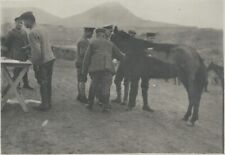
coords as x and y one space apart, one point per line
110 13
43 17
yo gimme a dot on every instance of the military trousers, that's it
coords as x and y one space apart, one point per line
43 74
101 82
81 80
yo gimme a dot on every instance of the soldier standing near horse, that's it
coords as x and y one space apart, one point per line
42 58
82 46
98 62
18 46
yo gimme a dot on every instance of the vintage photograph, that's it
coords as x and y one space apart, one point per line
112 76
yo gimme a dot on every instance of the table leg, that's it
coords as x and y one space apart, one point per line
13 86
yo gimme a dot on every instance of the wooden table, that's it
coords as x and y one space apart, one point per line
13 83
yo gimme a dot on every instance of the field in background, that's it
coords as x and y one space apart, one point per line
71 128
208 42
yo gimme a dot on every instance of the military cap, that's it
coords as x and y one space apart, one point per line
27 15
89 29
110 27
17 18
131 32
150 34
98 30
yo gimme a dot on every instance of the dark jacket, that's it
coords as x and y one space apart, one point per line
99 56
16 41
82 46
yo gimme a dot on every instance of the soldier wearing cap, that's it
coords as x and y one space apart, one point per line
82 46
132 33
98 62
150 36
108 31
18 46
42 58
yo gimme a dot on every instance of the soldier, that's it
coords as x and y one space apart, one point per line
82 46
108 31
17 43
98 62
42 58
132 33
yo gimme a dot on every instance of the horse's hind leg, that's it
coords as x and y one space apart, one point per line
194 94
144 86
199 87
196 108
133 93
189 85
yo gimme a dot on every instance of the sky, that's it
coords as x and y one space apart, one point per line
200 13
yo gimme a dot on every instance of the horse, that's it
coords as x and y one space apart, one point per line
145 60
218 70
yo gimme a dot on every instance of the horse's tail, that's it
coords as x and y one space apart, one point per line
201 75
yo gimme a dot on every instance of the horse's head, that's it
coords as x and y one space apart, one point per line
119 37
127 43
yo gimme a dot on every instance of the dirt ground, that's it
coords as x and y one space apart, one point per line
71 128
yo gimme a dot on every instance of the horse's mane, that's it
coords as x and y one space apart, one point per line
161 47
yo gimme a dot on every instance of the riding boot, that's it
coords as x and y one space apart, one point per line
44 106
125 96
79 91
106 105
91 96
90 103
118 92
83 97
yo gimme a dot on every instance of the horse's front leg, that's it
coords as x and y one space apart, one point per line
144 86
133 92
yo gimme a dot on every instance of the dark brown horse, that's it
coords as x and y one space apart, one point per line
145 60
218 70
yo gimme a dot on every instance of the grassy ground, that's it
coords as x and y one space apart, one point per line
72 128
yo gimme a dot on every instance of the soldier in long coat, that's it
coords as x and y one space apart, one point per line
98 63
82 46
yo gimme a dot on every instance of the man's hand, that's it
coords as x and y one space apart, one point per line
26 47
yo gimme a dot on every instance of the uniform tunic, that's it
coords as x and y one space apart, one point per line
15 41
99 56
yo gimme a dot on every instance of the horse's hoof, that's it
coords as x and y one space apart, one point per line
190 124
146 108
